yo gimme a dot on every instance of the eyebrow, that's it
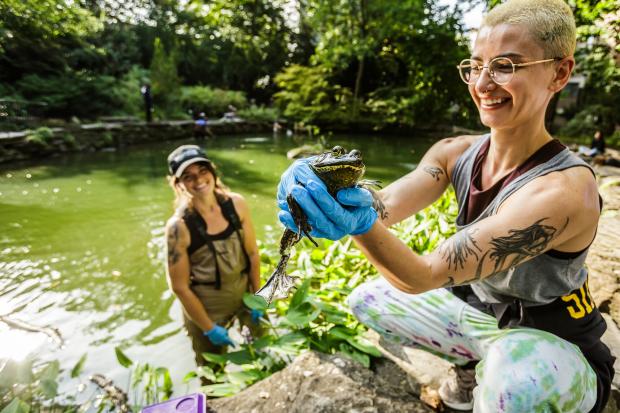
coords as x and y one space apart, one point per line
508 54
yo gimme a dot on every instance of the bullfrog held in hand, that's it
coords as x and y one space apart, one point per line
337 169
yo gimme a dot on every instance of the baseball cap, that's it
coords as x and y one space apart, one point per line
184 156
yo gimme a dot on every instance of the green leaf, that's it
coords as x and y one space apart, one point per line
303 314
243 378
341 333
301 294
364 345
206 372
16 406
220 389
49 388
50 371
77 369
239 357
122 358
263 342
254 302
214 358
355 355
189 376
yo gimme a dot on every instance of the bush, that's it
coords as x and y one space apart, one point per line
71 94
213 102
41 137
259 113
588 121
127 93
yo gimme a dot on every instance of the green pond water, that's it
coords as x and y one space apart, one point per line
81 245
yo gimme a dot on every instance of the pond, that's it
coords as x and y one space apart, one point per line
82 245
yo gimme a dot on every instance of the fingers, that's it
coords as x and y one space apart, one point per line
287 220
322 225
331 209
357 197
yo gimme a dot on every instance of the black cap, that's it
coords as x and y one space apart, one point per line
184 156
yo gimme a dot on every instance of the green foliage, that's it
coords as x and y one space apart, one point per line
317 316
127 92
212 101
41 137
259 113
70 94
588 121
28 386
308 94
122 358
165 81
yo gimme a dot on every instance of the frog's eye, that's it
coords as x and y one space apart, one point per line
338 150
355 153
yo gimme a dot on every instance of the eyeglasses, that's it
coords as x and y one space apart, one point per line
501 69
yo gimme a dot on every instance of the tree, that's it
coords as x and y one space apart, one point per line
164 79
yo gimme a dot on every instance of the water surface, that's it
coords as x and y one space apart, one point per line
81 244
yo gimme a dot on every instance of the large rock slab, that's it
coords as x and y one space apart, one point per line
321 383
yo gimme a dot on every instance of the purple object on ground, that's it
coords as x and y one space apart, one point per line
191 403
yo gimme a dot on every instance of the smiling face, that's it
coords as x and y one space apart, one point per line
198 180
525 98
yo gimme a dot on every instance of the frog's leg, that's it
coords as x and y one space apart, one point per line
377 204
300 218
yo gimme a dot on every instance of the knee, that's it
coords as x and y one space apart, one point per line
521 372
362 299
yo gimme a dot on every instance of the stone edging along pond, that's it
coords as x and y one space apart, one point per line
35 144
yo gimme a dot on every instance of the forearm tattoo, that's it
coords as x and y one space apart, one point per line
433 171
173 239
458 249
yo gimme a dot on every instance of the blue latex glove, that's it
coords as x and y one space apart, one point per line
219 336
256 316
298 173
329 218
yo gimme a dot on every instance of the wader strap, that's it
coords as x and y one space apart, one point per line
199 236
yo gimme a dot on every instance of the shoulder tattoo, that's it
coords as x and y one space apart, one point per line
433 171
173 240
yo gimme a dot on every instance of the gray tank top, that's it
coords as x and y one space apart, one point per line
537 281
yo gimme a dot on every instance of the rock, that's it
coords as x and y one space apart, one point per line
321 383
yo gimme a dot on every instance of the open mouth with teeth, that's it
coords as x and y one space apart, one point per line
492 103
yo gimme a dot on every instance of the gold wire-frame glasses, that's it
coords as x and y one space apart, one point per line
501 69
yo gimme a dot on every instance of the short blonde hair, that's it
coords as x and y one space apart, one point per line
550 22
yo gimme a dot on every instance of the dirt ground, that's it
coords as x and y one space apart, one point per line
604 256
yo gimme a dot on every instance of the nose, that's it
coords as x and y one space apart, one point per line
485 83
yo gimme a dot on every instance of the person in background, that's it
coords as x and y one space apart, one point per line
506 298
145 90
598 143
201 128
212 253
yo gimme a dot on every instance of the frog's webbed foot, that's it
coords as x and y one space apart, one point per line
377 203
277 286
267 292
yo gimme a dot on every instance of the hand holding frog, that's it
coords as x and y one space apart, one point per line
352 214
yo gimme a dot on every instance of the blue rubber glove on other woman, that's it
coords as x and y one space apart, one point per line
350 214
218 335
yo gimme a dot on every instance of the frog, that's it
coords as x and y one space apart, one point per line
337 169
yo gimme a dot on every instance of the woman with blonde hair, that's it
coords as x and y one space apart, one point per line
506 298
212 253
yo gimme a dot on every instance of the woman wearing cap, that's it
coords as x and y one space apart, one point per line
522 327
212 253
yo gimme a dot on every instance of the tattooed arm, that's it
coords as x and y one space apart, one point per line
422 186
559 211
178 271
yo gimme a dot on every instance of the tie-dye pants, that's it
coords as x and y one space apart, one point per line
520 370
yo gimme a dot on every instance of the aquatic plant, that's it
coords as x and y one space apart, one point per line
317 317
